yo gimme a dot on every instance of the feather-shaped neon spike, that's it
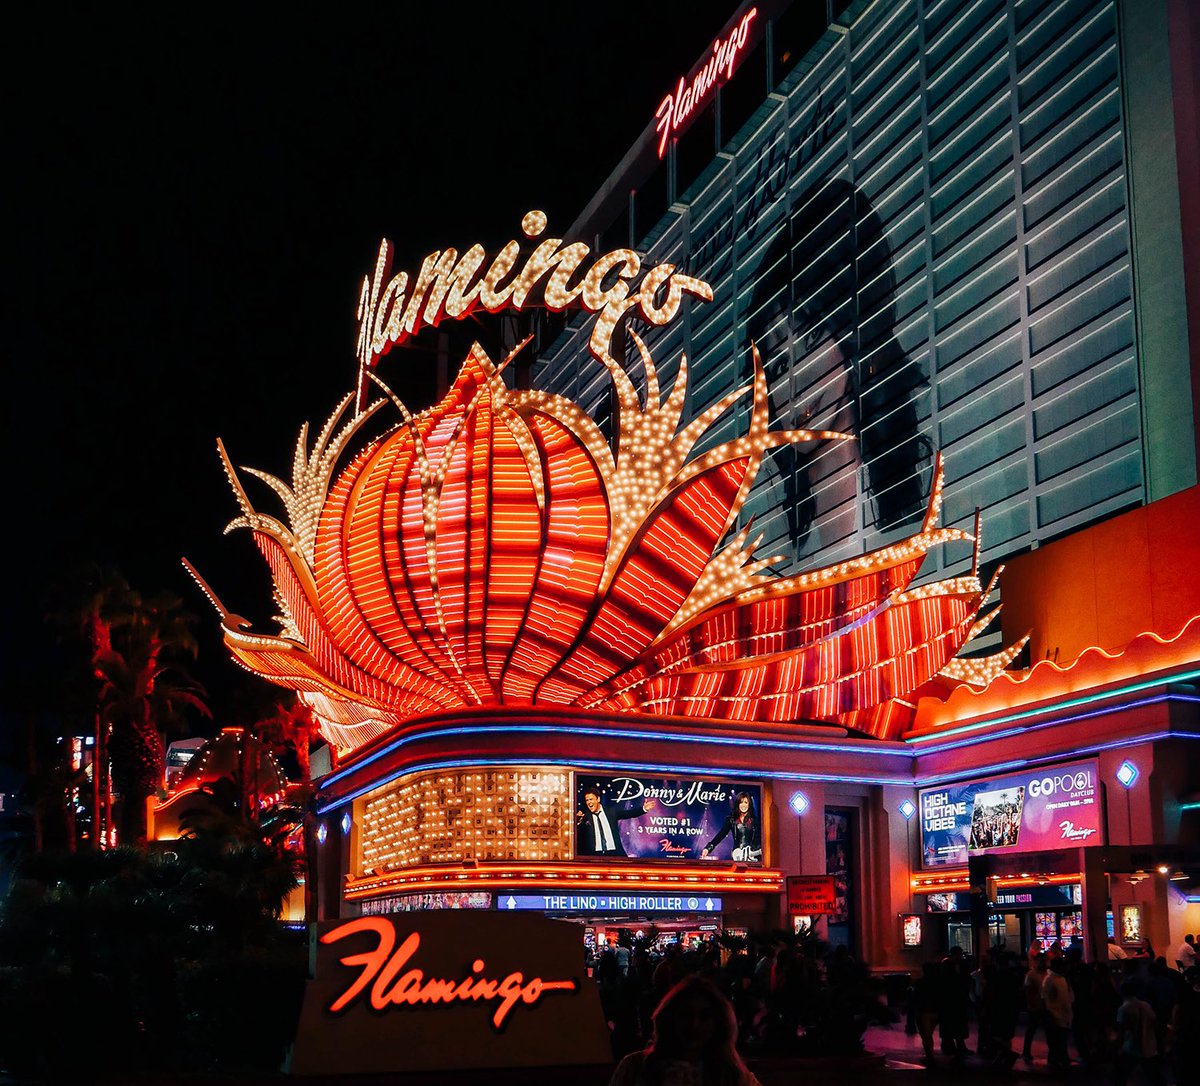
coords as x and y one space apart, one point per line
495 551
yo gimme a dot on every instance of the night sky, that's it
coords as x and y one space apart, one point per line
198 193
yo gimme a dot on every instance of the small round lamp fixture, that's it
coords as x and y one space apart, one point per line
347 822
907 808
1127 774
322 833
799 803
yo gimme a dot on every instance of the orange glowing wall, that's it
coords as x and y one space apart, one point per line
1104 585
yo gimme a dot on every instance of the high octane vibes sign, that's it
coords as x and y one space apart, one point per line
1058 807
438 991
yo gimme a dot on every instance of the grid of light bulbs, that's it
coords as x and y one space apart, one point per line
500 814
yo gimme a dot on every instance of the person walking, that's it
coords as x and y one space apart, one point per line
1137 1040
1185 956
1035 1009
1056 1000
954 1007
926 997
1005 1000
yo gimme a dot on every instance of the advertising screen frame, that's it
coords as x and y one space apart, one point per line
674 845
951 827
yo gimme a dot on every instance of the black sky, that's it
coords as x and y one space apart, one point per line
198 191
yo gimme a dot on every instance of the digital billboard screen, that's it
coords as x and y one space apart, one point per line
1025 812
667 818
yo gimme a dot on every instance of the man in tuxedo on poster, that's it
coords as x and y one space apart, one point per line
598 828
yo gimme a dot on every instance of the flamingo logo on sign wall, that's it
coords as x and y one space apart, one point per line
495 551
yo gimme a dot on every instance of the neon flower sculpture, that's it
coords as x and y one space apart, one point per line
494 551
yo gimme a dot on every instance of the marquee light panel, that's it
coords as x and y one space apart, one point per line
505 814
495 551
691 878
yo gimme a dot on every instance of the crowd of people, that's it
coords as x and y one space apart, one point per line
1121 1013
778 995
788 995
996 824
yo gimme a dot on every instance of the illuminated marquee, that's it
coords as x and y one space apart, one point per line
1032 811
390 308
634 903
500 814
495 550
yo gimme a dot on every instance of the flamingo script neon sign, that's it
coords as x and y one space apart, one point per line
674 110
392 984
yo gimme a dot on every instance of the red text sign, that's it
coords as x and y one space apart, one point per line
810 895
445 990
674 110
383 968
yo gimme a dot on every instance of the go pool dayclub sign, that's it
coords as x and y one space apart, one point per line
1053 807
440 990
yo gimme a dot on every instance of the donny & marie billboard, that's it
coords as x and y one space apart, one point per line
667 818
1023 812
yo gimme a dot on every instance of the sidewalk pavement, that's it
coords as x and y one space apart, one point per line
904 1061
895 1057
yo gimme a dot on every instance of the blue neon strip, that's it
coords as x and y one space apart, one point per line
1089 699
864 748
1056 721
1116 744
682 770
758 774
867 746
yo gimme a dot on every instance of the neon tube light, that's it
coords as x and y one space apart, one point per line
865 746
1116 744
1089 699
675 109
783 775
1058 720
646 767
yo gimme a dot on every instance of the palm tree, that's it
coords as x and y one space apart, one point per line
51 787
244 851
139 647
290 726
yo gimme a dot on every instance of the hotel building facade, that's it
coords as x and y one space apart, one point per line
955 229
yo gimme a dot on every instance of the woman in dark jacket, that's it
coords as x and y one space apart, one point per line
747 832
